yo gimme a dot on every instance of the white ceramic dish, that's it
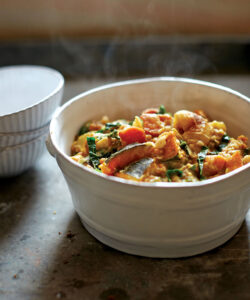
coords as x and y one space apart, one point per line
29 96
16 138
17 159
154 219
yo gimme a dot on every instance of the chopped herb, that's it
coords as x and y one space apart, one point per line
94 158
201 158
184 146
162 110
171 172
224 142
84 129
114 134
110 127
246 151
130 122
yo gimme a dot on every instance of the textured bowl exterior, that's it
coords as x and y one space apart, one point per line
37 115
17 159
154 219
16 138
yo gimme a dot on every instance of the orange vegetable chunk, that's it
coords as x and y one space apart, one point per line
213 165
234 161
152 124
171 148
132 135
124 157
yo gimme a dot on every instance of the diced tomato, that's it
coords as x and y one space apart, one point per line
132 135
234 162
151 111
152 124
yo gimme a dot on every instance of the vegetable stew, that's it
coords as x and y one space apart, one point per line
158 146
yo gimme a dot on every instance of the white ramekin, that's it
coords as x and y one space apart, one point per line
38 92
154 219
16 138
14 160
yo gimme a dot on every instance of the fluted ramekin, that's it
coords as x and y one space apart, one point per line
14 160
29 96
154 219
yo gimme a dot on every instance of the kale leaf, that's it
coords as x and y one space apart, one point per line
94 158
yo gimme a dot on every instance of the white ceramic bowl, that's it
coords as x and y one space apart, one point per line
29 96
16 138
154 219
14 160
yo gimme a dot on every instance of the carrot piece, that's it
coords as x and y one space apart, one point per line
234 162
213 165
132 135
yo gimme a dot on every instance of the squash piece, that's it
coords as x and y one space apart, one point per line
168 144
213 165
131 135
234 161
126 156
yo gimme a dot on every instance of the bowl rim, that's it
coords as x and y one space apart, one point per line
44 99
157 185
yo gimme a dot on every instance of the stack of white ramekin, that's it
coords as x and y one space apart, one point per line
29 95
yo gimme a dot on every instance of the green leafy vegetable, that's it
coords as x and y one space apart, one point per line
84 129
94 158
184 146
246 151
171 172
224 142
110 127
201 157
114 134
162 110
